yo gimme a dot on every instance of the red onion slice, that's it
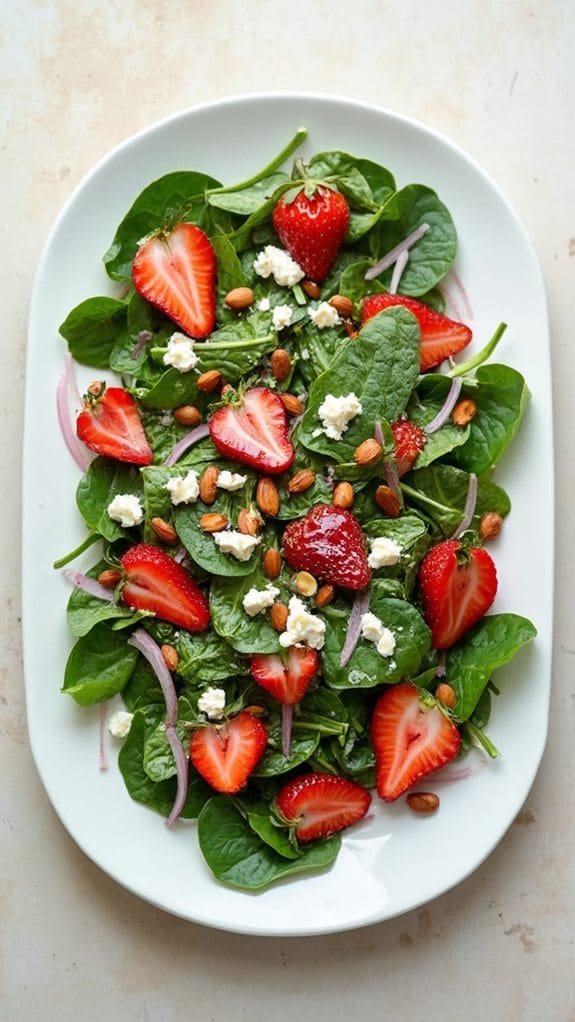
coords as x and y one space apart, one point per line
103 720
447 408
464 296
187 441
401 263
89 585
359 608
287 719
153 654
469 509
388 260
181 773
144 337
79 452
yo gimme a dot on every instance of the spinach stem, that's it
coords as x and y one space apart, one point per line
158 352
323 729
293 144
483 740
85 545
481 356
421 497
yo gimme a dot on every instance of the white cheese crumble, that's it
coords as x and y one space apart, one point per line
375 631
337 412
120 723
212 702
324 316
231 481
386 644
282 316
184 489
275 262
236 543
384 552
264 305
302 628
126 509
180 353
257 600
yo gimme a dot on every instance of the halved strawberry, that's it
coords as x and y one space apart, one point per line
441 337
458 585
287 676
110 424
329 543
226 754
176 271
154 581
312 226
411 738
409 442
317 805
253 430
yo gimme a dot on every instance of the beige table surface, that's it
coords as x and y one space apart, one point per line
77 77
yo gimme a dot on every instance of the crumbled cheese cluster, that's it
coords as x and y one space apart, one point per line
257 600
184 489
375 631
324 316
282 316
120 723
126 509
212 702
180 353
337 412
237 544
231 481
302 628
275 262
384 552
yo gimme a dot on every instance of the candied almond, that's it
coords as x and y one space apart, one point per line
280 364
171 656
423 801
213 522
388 501
109 578
446 695
187 415
272 563
301 481
342 305
278 616
209 484
209 381
368 453
324 595
292 404
343 495
305 583
311 289
239 298
164 531
267 496
490 525
464 411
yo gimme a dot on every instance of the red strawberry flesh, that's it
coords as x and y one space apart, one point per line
319 804
312 228
411 739
254 431
285 678
329 543
155 582
176 272
111 426
457 588
441 337
409 442
226 754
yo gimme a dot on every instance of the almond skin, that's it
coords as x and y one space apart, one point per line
272 563
267 496
164 531
343 495
342 305
292 404
490 525
423 801
281 364
368 453
278 616
109 578
388 501
209 484
301 481
187 415
325 595
171 656
239 298
213 522
209 381
311 289
464 411
446 695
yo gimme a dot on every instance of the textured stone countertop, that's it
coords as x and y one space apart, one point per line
76 79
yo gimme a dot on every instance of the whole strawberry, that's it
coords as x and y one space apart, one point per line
312 226
458 585
329 543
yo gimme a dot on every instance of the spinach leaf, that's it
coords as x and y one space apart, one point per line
230 273
97 488
431 257
249 200
143 691
99 666
431 395
237 856
257 814
229 619
85 611
93 328
207 658
502 398
273 761
440 492
202 546
158 761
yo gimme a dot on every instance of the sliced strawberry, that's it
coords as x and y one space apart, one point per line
176 271
317 805
156 582
254 431
440 337
457 585
312 227
411 738
409 442
226 754
110 424
286 677
329 543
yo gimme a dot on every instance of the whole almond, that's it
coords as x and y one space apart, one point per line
325 595
280 364
388 501
343 495
272 563
249 522
239 298
213 522
209 381
164 531
267 496
311 289
278 616
464 411
209 484
342 305
171 656
305 583
292 404
490 525
368 453
446 695
187 415
109 578
423 801
301 481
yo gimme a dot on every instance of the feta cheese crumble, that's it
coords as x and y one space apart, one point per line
237 544
231 481
275 262
282 316
375 631
120 723
184 489
257 600
264 305
180 353
324 316
302 628
212 702
386 645
384 552
126 509
337 412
